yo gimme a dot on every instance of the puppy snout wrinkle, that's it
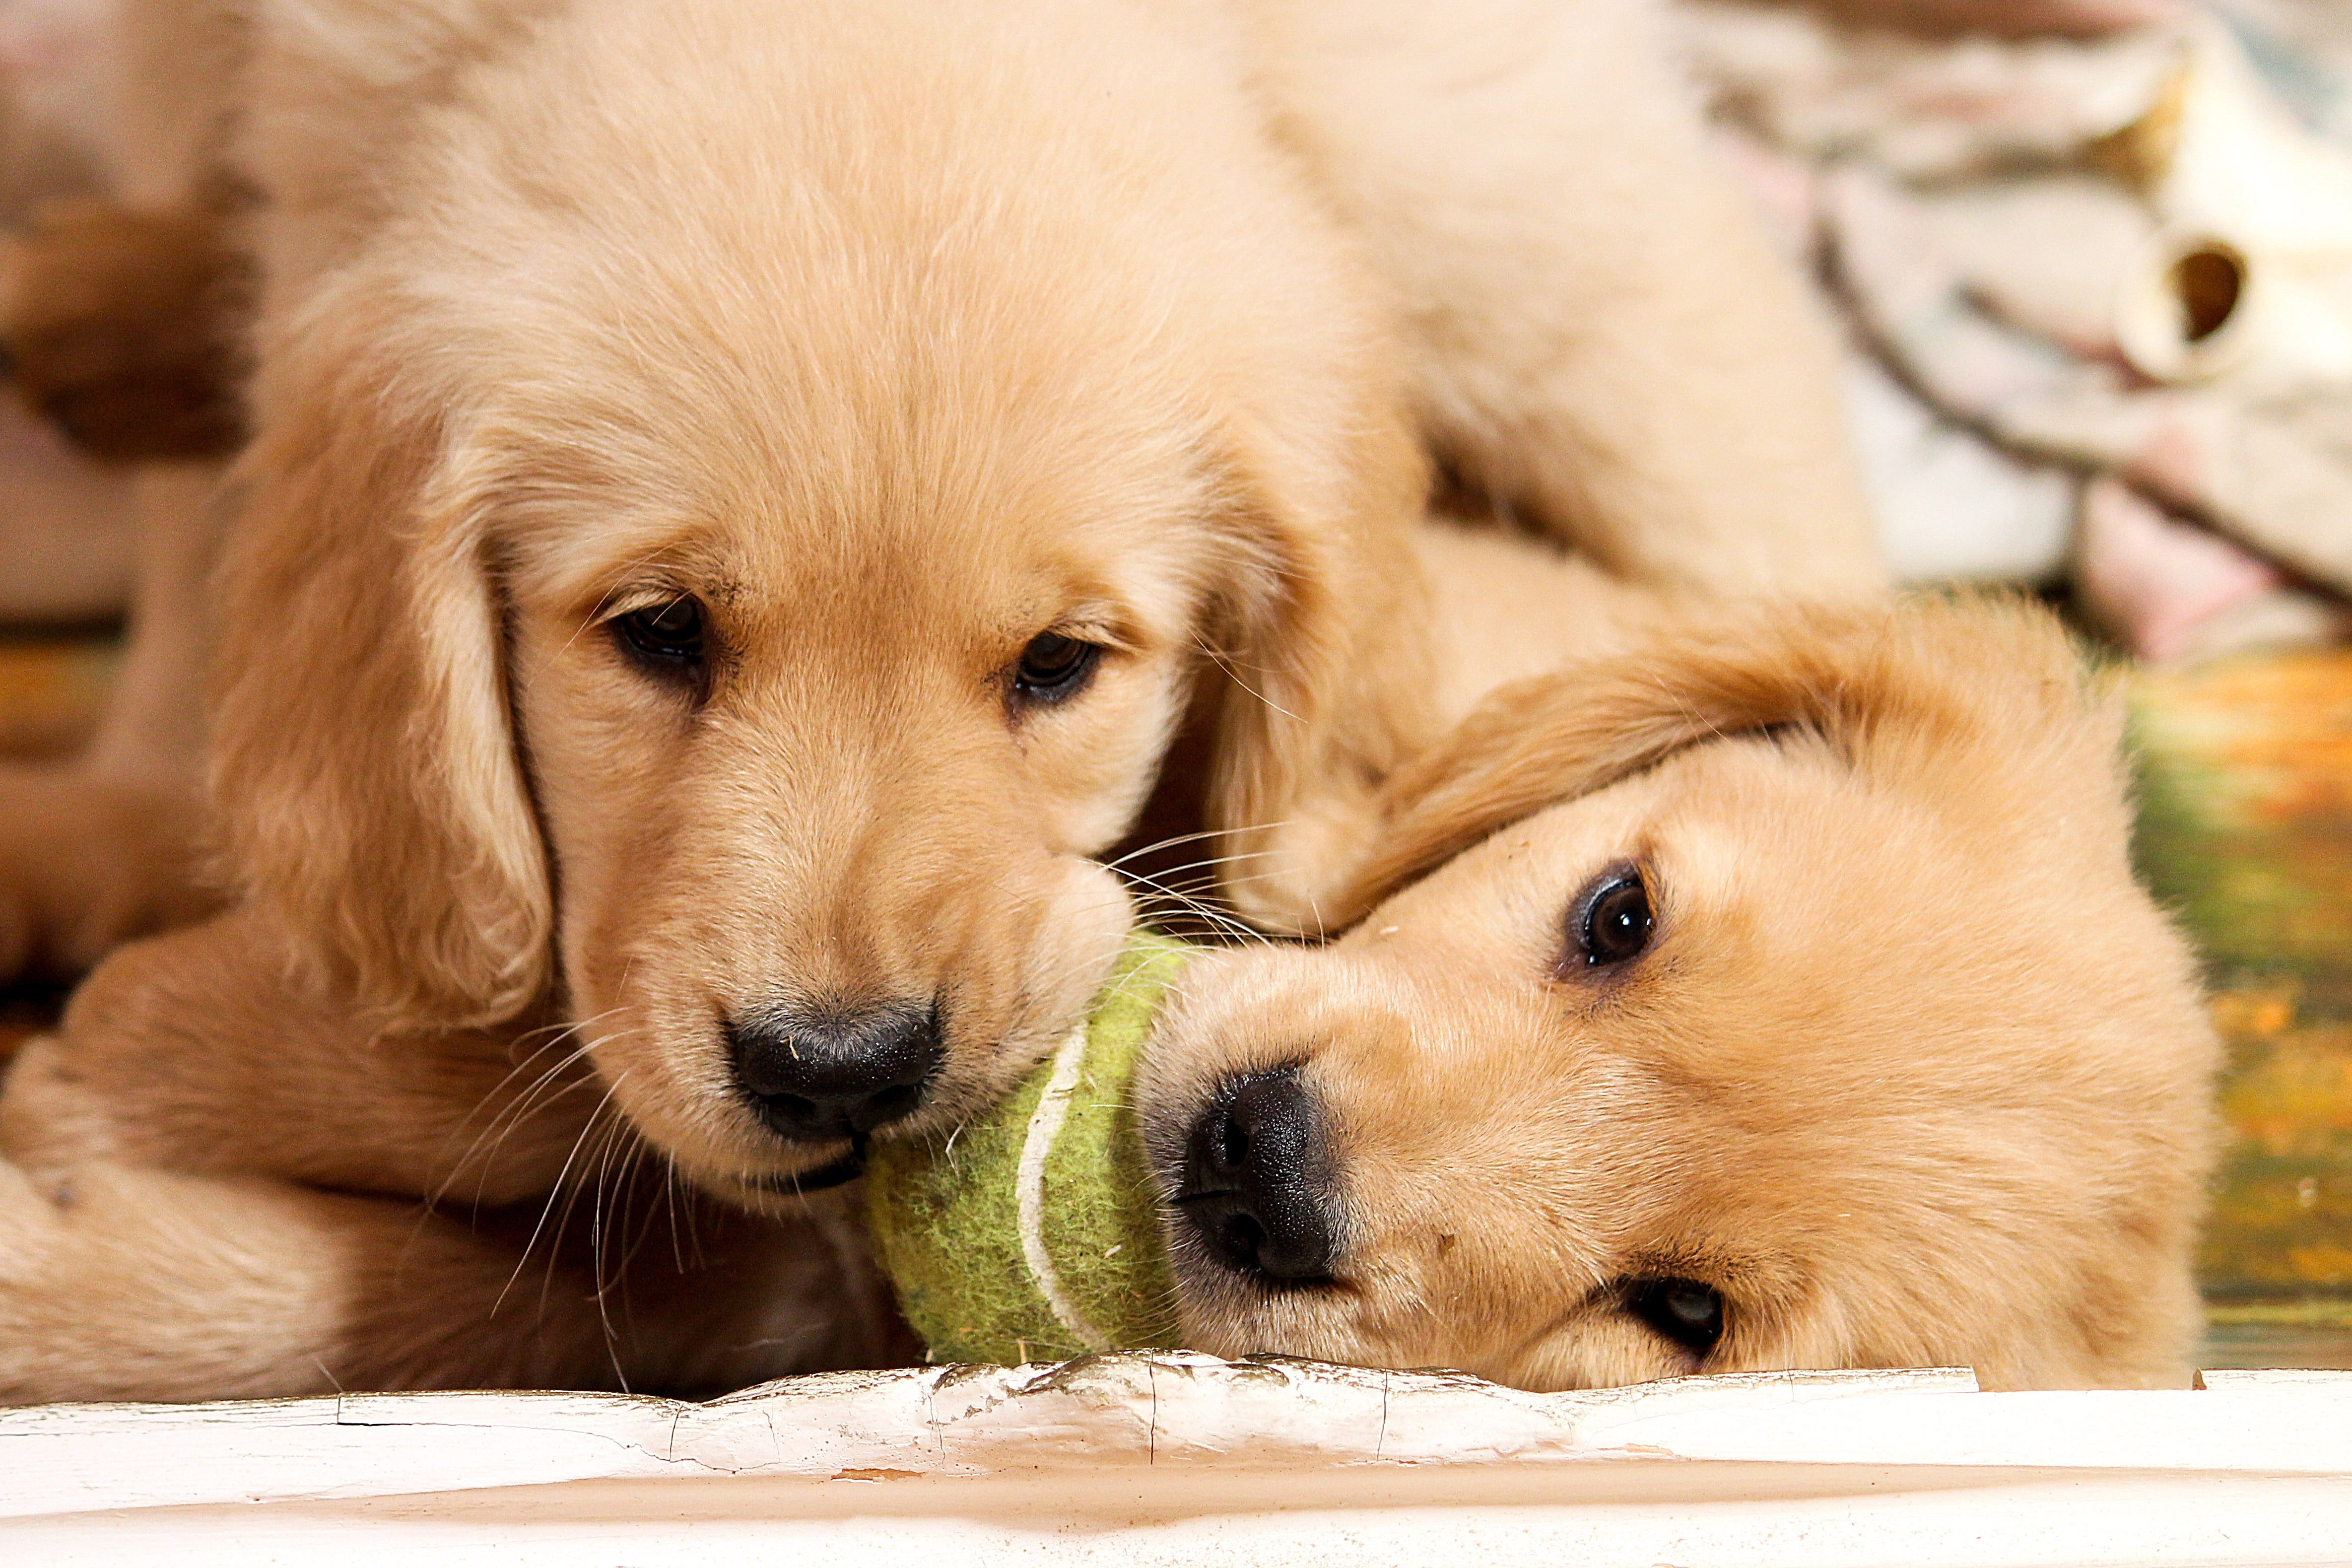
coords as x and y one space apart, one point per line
817 1074
1258 1180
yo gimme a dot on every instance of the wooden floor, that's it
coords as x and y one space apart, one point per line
2246 831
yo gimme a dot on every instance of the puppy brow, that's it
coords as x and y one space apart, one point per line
651 581
1099 619
635 596
1674 1262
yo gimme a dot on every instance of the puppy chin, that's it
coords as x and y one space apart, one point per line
775 1192
708 1135
1225 1316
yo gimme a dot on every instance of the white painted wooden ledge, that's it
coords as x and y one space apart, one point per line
1144 1460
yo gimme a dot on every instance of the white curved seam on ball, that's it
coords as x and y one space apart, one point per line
1029 1185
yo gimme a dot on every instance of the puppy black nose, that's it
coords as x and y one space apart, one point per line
1257 1180
823 1073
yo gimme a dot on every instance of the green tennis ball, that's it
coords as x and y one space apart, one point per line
1031 1234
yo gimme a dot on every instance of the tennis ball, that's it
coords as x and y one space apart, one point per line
1032 1233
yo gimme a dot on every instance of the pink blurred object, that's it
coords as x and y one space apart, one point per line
1951 505
57 90
2171 591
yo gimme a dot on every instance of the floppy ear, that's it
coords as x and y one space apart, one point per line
365 773
1322 648
1980 703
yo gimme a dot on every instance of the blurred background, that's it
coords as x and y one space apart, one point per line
2092 263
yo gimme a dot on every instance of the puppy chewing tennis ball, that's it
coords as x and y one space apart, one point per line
1032 1233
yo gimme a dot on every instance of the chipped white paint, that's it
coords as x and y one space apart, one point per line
1137 1460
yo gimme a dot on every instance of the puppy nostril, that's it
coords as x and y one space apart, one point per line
1239 1238
1233 1145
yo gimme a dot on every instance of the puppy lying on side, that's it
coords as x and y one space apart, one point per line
1769 993
1753 991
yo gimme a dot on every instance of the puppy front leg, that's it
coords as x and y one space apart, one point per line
126 1282
160 1236
186 1153
199 1051
118 1282
1601 336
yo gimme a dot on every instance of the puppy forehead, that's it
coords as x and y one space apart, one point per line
1013 568
1783 886
820 461
1713 820
1812 929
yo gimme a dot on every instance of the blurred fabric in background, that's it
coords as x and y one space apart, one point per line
2097 290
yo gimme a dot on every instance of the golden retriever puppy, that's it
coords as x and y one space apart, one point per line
740 500
758 492
1771 995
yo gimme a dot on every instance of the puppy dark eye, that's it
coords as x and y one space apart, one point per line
668 634
1054 668
1613 923
1683 1310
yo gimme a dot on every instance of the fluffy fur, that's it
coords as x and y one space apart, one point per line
1911 1073
1597 341
895 334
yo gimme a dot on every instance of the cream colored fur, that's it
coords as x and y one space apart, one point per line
896 334
1592 332
1912 1071
1916 1073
